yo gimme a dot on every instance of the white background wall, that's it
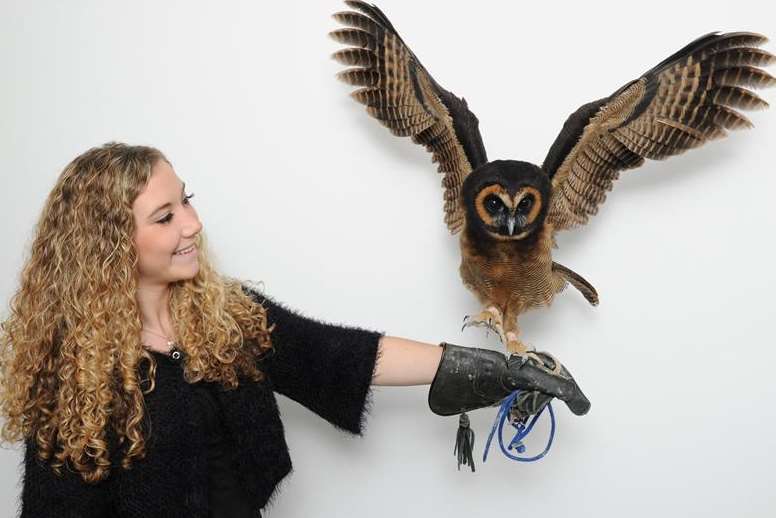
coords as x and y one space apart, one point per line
299 188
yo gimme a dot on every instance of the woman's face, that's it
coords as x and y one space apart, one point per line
165 225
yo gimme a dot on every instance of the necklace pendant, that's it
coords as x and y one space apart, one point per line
175 353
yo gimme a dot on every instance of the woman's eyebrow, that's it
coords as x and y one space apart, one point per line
168 204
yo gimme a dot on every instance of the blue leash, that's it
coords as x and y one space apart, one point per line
522 431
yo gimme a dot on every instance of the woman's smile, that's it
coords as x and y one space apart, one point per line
188 251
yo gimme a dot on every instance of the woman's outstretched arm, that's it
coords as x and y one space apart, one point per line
465 378
405 362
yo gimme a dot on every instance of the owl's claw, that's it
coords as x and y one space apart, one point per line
489 318
488 327
543 360
465 322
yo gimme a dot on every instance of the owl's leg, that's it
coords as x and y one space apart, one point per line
516 346
512 330
490 317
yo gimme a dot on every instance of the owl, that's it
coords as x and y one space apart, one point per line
508 212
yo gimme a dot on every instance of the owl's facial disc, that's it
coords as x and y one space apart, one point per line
508 216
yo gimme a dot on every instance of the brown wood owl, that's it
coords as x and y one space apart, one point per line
508 212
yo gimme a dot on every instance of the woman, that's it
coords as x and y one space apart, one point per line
142 381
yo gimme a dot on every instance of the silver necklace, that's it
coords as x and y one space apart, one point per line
175 353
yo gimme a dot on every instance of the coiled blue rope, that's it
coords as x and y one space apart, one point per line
522 431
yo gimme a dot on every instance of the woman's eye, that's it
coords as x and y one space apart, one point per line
185 201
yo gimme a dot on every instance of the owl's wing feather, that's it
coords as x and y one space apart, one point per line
689 98
399 92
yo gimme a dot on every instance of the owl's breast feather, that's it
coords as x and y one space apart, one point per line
510 273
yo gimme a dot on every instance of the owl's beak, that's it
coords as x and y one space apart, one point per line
511 225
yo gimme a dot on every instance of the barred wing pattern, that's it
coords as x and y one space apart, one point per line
403 96
684 101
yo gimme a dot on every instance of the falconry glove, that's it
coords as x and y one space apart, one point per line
469 378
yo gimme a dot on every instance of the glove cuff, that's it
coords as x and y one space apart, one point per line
467 378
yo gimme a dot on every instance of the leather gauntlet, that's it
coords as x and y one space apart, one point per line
470 378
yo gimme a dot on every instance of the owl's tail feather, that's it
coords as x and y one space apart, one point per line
576 280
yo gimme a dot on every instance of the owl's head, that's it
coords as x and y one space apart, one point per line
506 199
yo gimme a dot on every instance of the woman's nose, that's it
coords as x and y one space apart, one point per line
192 224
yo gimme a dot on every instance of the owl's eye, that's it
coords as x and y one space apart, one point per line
493 204
525 204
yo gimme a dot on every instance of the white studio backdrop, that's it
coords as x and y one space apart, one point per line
298 188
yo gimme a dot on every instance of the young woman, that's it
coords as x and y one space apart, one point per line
142 380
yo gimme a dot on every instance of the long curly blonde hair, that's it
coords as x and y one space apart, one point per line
70 350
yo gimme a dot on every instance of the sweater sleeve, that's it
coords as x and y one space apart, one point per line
46 494
327 368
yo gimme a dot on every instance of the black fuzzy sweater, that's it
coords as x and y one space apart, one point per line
325 367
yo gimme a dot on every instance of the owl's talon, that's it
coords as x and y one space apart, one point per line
541 362
490 318
556 367
465 322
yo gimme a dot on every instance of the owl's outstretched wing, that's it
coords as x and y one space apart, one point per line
684 101
403 96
